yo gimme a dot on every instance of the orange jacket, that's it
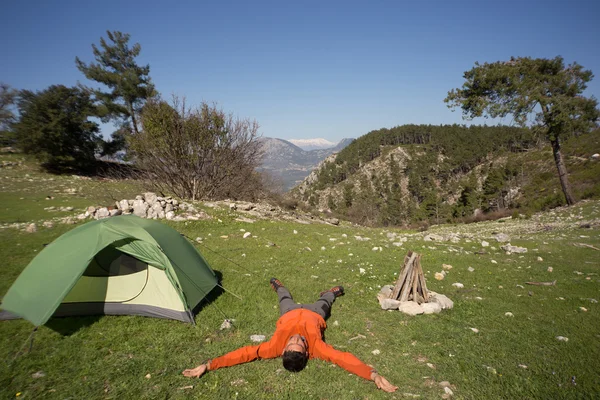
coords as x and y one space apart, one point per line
306 323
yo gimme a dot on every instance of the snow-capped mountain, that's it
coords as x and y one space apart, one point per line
313 144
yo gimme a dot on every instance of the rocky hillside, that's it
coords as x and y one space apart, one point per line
290 164
437 179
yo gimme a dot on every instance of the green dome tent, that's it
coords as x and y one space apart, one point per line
123 265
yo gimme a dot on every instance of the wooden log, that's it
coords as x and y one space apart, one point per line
403 273
415 279
424 290
405 291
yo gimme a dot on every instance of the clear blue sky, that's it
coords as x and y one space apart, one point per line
302 69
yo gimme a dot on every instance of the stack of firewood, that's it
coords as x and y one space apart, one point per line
411 285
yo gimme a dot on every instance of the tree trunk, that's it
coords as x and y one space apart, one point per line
133 119
562 172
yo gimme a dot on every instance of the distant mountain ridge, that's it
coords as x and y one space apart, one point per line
313 144
291 164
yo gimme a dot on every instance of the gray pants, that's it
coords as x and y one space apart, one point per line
321 306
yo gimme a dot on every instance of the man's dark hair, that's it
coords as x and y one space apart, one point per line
294 361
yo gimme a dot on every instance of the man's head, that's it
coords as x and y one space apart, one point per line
295 353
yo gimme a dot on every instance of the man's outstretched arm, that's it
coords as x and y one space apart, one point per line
239 356
196 372
352 364
383 383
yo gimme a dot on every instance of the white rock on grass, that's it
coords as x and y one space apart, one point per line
484 244
257 338
440 275
446 267
501 237
550 269
39 374
431 308
410 308
470 269
442 300
513 249
508 314
386 290
494 262
376 352
31 228
389 304
227 324
540 259
474 330
562 339
458 285
247 234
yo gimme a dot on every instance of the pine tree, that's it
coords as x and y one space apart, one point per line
129 84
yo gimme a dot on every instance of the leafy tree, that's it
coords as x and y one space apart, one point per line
129 84
544 90
198 153
8 97
54 126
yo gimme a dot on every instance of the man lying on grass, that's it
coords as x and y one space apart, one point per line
298 337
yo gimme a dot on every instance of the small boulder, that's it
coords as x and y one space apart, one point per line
150 198
386 290
123 205
102 213
442 300
410 308
501 237
140 207
31 228
389 304
431 308
257 338
513 249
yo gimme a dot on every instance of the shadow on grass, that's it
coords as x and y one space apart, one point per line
67 326
211 296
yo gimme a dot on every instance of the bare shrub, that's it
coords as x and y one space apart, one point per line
199 153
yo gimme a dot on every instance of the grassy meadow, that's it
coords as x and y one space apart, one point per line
480 350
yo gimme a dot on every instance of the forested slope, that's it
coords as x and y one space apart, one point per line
415 173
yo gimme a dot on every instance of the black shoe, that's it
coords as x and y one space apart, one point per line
275 283
336 290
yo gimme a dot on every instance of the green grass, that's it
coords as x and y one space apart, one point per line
109 357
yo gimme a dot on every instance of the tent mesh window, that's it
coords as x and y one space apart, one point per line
112 262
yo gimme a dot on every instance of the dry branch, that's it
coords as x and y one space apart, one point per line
411 282
553 283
